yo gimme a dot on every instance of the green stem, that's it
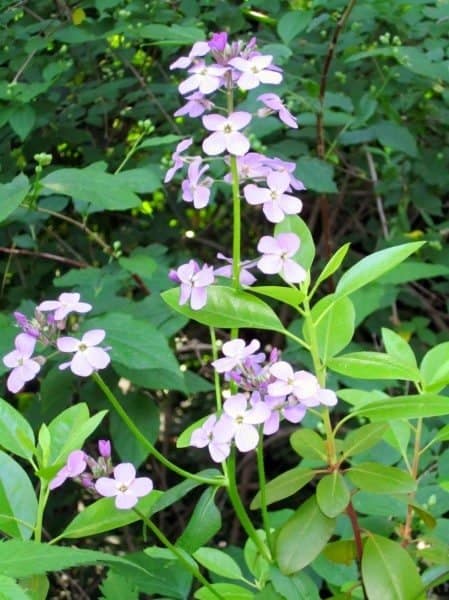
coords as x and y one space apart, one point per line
263 489
130 152
217 385
218 481
236 223
180 555
41 503
240 511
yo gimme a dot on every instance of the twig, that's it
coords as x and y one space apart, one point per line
379 204
46 255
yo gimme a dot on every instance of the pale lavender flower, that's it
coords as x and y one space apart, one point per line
205 78
178 159
275 105
198 49
243 418
194 283
282 166
276 203
196 105
194 189
277 257
255 70
302 385
76 465
235 352
26 326
226 134
245 276
104 448
124 486
288 408
64 305
215 437
24 368
88 358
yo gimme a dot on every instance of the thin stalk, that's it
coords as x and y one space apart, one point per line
130 152
350 511
145 442
217 385
236 224
192 567
263 490
407 531
41 503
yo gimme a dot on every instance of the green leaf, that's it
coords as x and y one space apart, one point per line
316 174
228 591
12 194
217 561
91 189
17 500
309 444
306 252
172 34
37 586
16 434
362 439
332 494
388 571
183 440
396 137
373 266
298 586
333 264
204 523
372 365
22 120
293 22
405 407
11 590
162 140
334 320
287 295
116 587
381 479
178 491
398 348
227 308
284 485
103 516
141 265
341 552
141 180
309 525
435 368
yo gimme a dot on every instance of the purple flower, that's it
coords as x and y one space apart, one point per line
276 203
205 78
302 385
275 105
104 448
242 419
193 189
216 437
218 41
245 277
64 305
277 257
282 166
255 70
76 464
194 283
25 325
290 409
125 486
226 134
24 368
178 160
196 105
235 352
87 358
198 49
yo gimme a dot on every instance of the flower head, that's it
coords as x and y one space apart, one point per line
24 368
195 189
277 257
125 486
242 418
196 105
226 133
205 78
178 159
255 70
274 104
194 283
276 203
235 352
198 49
88 357
245 277
64 305
215 436
75 466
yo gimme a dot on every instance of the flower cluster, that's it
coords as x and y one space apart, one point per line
269 182
93 474
45 328
270 391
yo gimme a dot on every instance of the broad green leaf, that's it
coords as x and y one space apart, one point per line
405 407
334 319
309 525
172 34
37 586
293 22
357 397
178 491
333 264
141 180
388 571
227 308
204 523
373 266
256 563
158 141
309 444
396 137
12 194
316 174
442 435
227 591
381 479
140 264
372 365
11 590
22 120
76 436
361 439
64 425
306 252
103 516
217 561
398 348
342 551
117 587
16 434
435 368
398 435
287 295
332 494
17 500
298 586
284 485
91 189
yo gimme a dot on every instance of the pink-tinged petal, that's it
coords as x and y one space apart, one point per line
76 463
289 242
98 357
125 500
214 144
292 272
25 344
234 347
273 212
141 486
64 366
306 384
199 49
184 293
278 180
327 397
290 205
235 405
257 414
59 479
198 298
106 486
61 313
246 438
12 359
199 438
214 122
209 84
187 271
69 297
48 305
29 369
261 61
224 429
287 118
270 264
282 370
189 84
93 337
239 119
82 307
271 425
295 414
239 63
268 245
67 344
272 101
181 63
222 365
253 194
248 81
204 277
125 473
273 77
237 143
80 365
219 451
15 383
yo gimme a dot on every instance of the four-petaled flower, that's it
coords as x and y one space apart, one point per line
125 486
226 134
276 203
275 105
242 418
87 358
216 437
255 70
194 283
235 352
205 78
277 257
24 368
196 105
76 465
194 189
64 305
198 49
178 160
